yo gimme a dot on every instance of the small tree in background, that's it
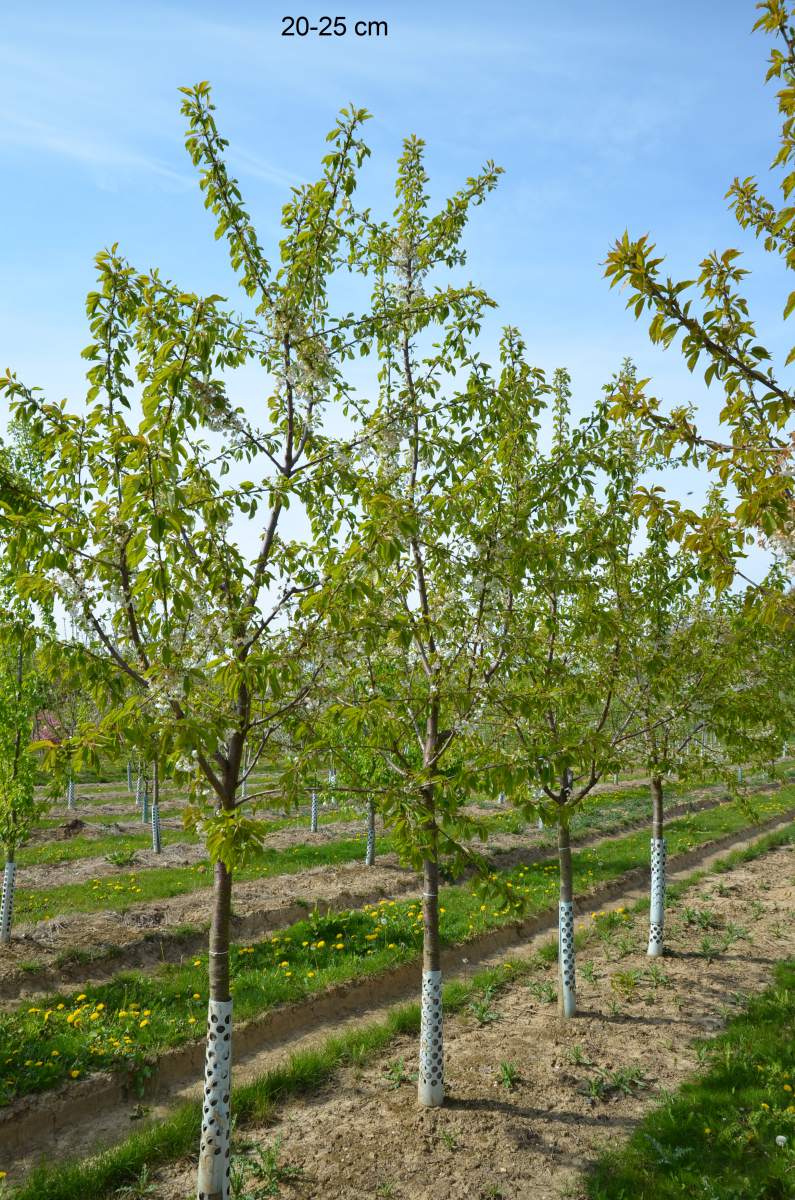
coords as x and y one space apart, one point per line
561 723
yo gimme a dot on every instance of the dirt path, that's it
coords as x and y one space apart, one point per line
42 957
361 1137
41 1125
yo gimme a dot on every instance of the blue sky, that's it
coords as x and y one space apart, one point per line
604 117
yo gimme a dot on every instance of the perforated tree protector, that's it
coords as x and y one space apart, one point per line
431 1077
139 789
369 858
566 956
313 817
657 908
213 1182
156 828
70 793
7 901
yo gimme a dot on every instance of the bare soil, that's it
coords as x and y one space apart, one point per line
360 1137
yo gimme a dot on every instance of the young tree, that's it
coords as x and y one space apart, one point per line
444 493
20 699
140 525
561 727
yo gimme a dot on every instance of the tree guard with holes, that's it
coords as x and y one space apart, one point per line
7 902
566 956
369 858
70 794
139 788
213 1180
313 815
657 908
431 1076
156 845
145 803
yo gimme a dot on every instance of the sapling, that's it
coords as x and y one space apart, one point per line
20 693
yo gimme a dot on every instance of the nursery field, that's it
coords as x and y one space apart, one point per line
397 789
328 946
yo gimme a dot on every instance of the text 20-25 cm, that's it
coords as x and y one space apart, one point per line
332 27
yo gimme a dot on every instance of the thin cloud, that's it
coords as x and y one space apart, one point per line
37 136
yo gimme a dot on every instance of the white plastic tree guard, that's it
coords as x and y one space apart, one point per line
156 846
145 803
213 1179
657 908
313 814
566 956
7 902
431 1075
70 794
139 788
369 858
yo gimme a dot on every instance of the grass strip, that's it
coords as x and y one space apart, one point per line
133 1016
80 847
306 1071
717 1135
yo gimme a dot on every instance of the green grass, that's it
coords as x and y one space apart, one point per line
177 1135
715 1138
135 1015
81 847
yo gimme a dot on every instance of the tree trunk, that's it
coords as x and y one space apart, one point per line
431 1075
313 814
145 802
156 809
657 906
567 999
369 860
213 1178
7 901
129 777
